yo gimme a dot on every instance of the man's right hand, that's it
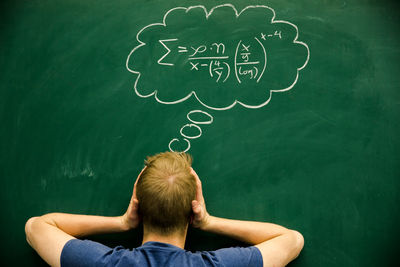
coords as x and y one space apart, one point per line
131 218
200 215
277 244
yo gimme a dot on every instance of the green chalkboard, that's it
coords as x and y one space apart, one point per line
289 108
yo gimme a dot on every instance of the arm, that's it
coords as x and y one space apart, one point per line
49 233
278 245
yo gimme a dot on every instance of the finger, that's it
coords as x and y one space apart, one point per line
195 175
133 207
198 183
141 172
199 190
135 203
196 207
193 172
137 179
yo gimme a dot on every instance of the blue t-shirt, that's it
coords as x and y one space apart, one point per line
78 252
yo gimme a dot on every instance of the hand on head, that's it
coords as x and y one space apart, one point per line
200 217
131 217
200 214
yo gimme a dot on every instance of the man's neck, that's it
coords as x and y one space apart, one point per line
176 239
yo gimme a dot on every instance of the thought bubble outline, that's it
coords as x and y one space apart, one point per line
207 14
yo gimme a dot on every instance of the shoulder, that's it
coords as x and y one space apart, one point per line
78 252
237 256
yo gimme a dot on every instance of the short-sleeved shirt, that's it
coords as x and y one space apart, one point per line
78 252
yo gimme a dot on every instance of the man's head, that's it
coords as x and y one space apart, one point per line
165 191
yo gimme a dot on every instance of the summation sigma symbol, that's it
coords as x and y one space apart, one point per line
222 57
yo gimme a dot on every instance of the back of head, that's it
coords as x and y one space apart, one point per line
165 191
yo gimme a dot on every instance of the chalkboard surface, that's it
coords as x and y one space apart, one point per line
289 108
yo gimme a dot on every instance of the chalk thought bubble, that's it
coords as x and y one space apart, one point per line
222 57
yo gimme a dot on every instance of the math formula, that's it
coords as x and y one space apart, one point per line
221 57
248 62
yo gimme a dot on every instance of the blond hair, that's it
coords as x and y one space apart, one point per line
165 191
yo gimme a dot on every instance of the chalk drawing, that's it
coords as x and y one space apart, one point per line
168 50
193 124
197 121
243 59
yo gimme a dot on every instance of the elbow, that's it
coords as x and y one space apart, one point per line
29 229
298 242
28 226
